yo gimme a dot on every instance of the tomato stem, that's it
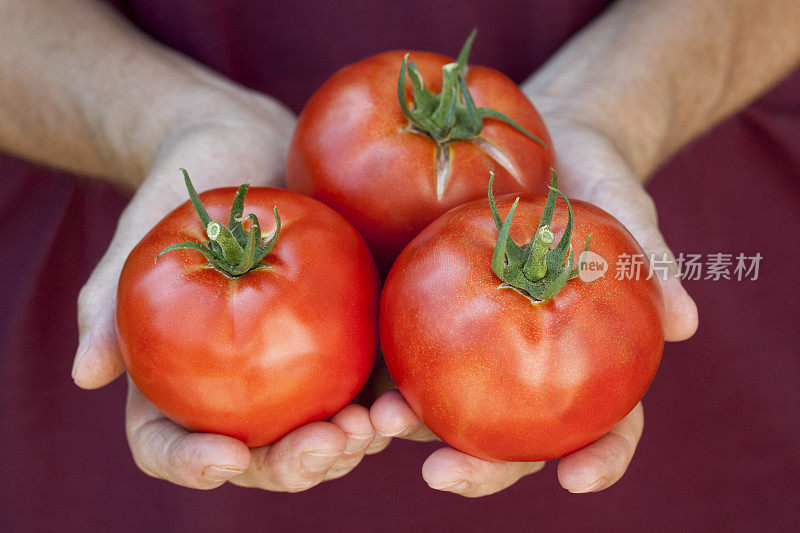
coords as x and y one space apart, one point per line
534 269
451 114
536 265
230 250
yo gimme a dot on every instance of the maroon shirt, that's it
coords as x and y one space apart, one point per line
721 447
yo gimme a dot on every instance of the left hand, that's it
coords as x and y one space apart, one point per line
591 169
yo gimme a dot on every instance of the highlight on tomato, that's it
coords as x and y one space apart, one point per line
247 330
501 348
395 140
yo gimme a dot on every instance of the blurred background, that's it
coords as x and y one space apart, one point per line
721 446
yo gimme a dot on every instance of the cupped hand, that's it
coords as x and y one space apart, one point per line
222 147
590 168
313 453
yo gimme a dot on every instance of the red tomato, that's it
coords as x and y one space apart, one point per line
500 376
258 355
355 150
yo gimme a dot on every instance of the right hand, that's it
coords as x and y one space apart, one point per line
224 147
591 169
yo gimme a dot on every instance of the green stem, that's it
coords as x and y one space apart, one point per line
249 251
534 269
444 116
463 55
451 114
536 266
231 250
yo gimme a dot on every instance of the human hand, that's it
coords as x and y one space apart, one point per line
224 147
590 169
313 453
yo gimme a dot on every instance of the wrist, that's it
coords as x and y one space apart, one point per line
223 107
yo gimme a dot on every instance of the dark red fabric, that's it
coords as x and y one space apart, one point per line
721 448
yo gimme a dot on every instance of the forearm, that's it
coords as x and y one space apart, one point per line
84 91
652 75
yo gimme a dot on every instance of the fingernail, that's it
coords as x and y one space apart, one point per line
455 486
83 347
588 488
318 461
221 473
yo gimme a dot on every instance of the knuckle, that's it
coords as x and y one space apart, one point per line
143 466
184 461
357 445
344 466
378 445
136 448
614 459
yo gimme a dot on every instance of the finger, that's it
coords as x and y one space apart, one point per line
165 450
98 360
627 200
392 417
600 464
296 462
680 311
450 470
354 421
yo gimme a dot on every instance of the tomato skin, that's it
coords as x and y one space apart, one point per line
256 356
499 377
352 150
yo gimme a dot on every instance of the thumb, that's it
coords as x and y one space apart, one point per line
98 360
680 311
598 174
630 204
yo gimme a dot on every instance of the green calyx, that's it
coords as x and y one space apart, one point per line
230 249
535 269
451 114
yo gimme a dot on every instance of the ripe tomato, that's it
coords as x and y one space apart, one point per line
497 373
391 172
255 355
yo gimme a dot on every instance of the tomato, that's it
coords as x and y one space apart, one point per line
255 355
355 149
502 375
